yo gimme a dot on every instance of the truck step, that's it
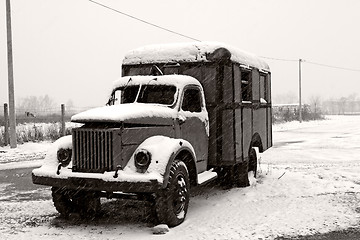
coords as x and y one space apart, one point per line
206 177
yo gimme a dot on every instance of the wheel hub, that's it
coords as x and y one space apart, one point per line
180 195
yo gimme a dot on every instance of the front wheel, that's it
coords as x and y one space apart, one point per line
172 202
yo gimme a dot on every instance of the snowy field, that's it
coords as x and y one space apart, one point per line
309 182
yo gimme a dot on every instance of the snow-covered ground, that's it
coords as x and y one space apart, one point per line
25 155
309 182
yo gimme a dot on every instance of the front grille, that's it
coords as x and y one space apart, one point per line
93 150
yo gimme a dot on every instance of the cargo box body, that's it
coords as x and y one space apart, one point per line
237 88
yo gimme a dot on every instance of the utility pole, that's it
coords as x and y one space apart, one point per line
300 114
62 120
6 118
12 116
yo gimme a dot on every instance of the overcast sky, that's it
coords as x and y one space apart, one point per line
73 49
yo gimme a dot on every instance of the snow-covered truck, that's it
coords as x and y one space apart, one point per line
181 115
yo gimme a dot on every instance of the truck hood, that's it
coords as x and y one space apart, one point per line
125 113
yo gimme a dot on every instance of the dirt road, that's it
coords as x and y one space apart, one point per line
17 186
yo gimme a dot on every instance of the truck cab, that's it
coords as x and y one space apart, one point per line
181 115
140 107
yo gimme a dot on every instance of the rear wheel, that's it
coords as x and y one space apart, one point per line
237 175
172 203
63 201
252 169
90 204
241 174
234 176
66 201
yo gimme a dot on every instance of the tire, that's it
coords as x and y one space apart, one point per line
89 204
241 174
252 162
66 201
237 175
63 201
171 203
227 176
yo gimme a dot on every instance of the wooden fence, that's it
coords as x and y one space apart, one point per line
30 117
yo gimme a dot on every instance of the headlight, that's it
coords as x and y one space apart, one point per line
142 160
64 156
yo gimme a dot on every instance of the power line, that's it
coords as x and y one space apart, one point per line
182 35
280 59
310 62
146 22
330 66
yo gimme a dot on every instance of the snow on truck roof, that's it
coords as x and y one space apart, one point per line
177 80
192 52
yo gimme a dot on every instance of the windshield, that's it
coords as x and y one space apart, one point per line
155 94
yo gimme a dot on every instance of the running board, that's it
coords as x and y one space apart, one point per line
206 177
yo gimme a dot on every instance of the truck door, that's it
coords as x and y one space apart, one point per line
194 123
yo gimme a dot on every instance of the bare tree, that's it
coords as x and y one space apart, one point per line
37 105
315 104
352 101
69 106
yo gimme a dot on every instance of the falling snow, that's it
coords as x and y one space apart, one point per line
308 182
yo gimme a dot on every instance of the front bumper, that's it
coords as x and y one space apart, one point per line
95 184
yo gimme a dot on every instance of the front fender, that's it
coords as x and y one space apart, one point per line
164 151
51 155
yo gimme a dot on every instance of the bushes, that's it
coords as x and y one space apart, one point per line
37 132
291 113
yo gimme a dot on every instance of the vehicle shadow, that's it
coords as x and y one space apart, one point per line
113 212
127 211
135 212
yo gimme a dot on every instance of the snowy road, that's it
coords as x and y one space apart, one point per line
309 183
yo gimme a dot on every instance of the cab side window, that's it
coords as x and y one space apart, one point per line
192 100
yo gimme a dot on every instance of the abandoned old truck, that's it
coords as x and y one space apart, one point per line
180 115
